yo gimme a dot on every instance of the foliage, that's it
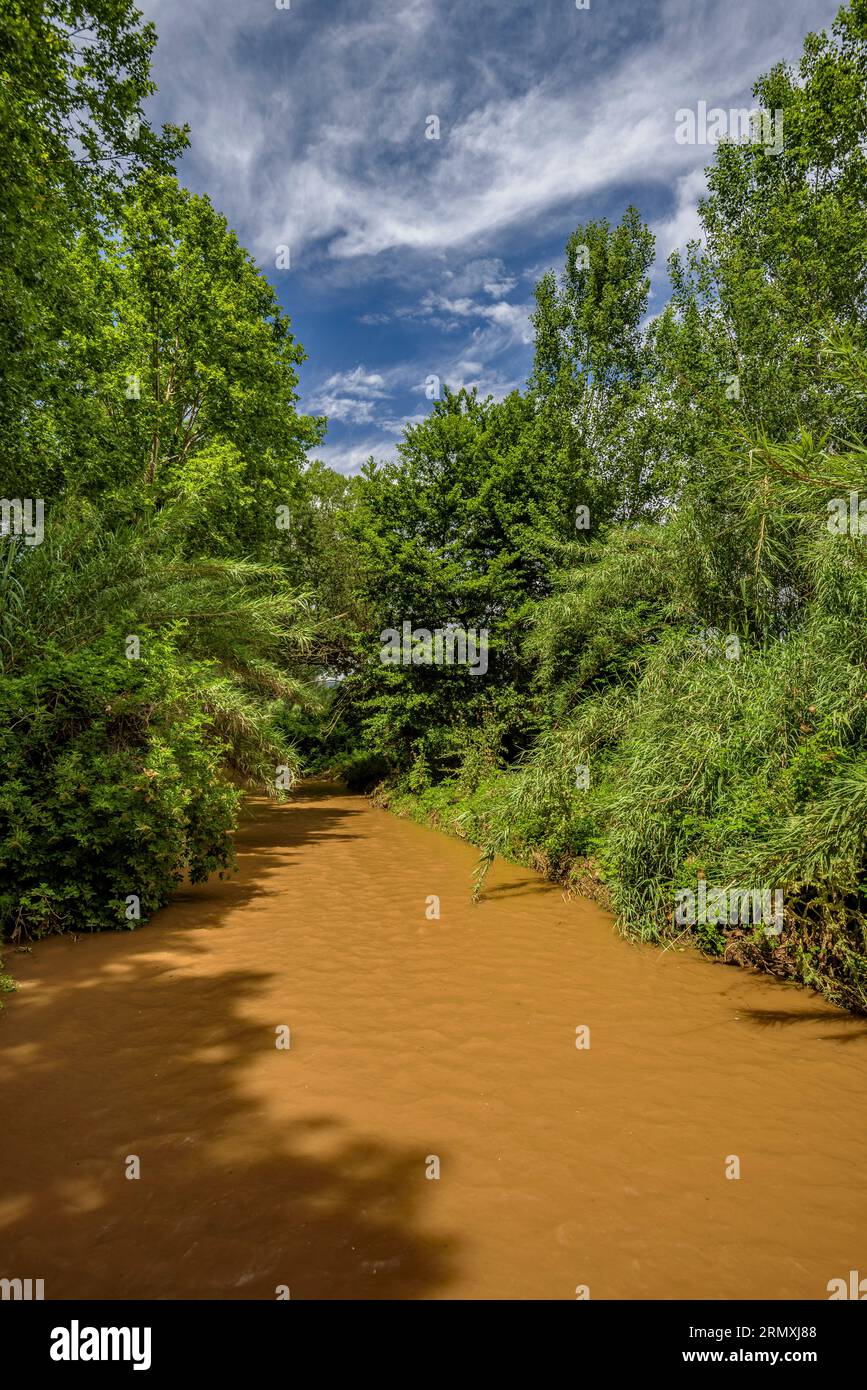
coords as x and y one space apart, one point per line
111 790
73 77
691 672
232 623
151 644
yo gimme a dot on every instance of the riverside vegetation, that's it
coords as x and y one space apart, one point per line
663 535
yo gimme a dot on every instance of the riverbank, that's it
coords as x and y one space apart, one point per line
821 948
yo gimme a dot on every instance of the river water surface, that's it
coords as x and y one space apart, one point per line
412 1040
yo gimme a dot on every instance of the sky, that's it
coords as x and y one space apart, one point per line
412 257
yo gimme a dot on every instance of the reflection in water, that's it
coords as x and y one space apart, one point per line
306 1167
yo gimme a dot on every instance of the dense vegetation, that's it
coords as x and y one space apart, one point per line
662 535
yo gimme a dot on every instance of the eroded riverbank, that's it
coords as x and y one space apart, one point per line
411 1037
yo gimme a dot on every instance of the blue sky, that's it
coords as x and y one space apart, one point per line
413 257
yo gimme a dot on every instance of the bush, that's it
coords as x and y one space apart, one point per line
112 789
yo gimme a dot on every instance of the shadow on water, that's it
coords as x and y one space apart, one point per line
119 1049
848 1028
519 888
269 839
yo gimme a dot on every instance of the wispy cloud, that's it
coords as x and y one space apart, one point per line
310 124
352 395
682 224
309 127
349 457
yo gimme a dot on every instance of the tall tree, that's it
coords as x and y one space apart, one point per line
73 77
592 374
186 382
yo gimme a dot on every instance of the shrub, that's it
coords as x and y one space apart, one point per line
112 789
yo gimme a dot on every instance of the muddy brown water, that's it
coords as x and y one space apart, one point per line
411 1038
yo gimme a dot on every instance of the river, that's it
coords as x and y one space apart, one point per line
431 1130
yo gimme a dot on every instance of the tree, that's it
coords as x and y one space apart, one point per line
188 388
73 77
592 378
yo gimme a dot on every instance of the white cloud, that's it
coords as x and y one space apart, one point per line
498 288
348 458
397 426
308 128
484 272
683 224
514 319
350 396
